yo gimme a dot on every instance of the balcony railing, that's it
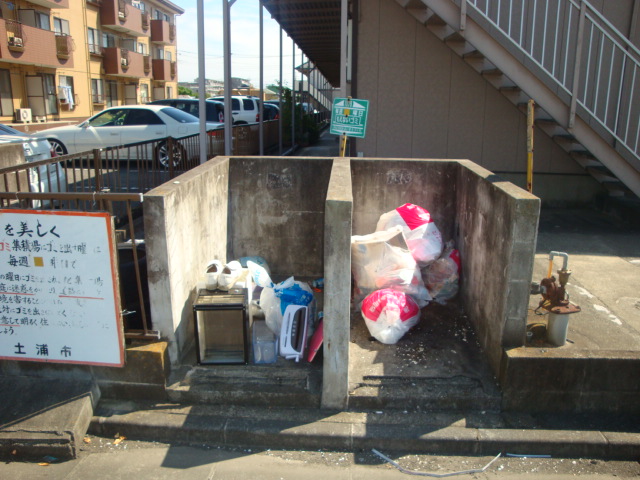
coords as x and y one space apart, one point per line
16 39
146 62
95 49
122 9
124 58
172 32
174 69
64 46
97 99
145 21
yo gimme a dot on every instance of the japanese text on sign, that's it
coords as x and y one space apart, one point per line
58 301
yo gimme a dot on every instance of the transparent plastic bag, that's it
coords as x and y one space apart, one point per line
376 264
442 276
420 233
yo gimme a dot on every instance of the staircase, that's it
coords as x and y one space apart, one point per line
582 74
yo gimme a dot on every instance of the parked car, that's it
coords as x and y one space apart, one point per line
46 178
215 109
124 125
271 112
244 108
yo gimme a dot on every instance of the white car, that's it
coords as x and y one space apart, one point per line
46 178
125 125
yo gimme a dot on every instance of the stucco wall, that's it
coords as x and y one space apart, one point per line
426 102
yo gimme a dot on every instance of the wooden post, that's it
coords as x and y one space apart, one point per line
530 119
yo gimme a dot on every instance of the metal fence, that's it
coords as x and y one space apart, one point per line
114 179
582 52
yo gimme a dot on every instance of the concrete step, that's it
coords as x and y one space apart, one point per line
44 416
459 392
444 433
281 384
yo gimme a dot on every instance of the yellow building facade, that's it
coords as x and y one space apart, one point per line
61 61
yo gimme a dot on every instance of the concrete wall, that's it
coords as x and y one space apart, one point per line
492 222
496 231
227 209
426 102
185 225
276 210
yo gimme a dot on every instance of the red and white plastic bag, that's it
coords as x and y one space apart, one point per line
418 229
377 264
389 314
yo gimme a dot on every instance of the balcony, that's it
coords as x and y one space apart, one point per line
164 70
95 49
146 62
120 15
64 46
51 3
163 32
121 62
33 46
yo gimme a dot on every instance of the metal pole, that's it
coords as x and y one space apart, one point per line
261 127
576 65
293 93
202 138
280 104
530 120
344 15
228 117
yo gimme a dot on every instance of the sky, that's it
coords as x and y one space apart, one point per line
245 43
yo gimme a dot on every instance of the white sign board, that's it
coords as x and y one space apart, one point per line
58 291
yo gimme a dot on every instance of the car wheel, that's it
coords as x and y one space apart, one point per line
57 147
162 154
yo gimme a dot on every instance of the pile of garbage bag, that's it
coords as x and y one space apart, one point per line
400 268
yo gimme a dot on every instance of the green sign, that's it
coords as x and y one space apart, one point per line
349 117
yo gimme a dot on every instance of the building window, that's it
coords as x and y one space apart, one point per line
97 90
139 5
61 26
142 48
112 94
144 93
6 97
160 53
108 40
66 94
93 37
168 56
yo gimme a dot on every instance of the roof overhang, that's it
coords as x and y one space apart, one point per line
315 27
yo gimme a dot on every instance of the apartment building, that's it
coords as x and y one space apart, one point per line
61 61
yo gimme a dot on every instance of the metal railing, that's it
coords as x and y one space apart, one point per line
582 53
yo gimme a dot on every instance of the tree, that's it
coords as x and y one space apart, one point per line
187 91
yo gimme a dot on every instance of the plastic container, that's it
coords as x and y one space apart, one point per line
557 329
265 344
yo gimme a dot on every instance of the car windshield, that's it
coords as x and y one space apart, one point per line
108 118
179 115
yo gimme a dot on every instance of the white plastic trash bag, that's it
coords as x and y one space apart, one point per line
418 229
389 314
441 277
377 264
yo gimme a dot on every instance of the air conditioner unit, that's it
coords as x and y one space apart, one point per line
122 15
16 42
124 62
23 115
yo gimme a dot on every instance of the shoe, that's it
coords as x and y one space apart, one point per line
231 273
212 274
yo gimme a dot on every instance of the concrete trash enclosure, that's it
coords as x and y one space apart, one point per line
299 213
